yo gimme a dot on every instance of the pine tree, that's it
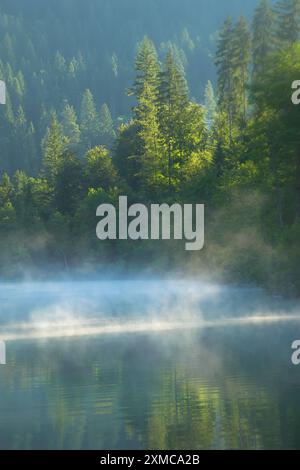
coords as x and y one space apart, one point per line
60 62
210 104
54 146
33 163
99 169
70 126
263 37
89 121
146 68
225 62
7 120
146 89
173 99
242 55
8 109
107 132
68 184
146 119
288 21
6 189
232 61
23 142
173 90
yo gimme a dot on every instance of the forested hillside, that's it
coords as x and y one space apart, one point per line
236 149
52 52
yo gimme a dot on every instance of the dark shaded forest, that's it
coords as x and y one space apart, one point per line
113 98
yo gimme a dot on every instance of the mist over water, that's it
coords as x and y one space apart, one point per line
49 310
147 364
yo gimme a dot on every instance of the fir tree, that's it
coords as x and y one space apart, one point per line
173 90
24 142
233 60
107 132
70 127
288 21
99 169
242 55
89 121
146 89
54 146
146 119
263 37
68 183
210 104
146 68
225 62
173 99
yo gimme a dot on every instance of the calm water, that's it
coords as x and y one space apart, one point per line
155 365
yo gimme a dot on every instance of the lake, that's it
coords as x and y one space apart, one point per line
147 365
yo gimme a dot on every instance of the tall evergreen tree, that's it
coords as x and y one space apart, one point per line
146 119
146 90
54 146
99 169
89 121
263 37
288 21
24 142
146 67
70 126
225 62
232 61
210 104
173 99
107 132
242 55
68 184
173 90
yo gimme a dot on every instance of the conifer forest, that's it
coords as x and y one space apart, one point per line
163 102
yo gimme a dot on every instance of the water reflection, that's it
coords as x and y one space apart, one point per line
212 389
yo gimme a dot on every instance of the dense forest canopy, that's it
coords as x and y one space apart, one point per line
54 51
164 101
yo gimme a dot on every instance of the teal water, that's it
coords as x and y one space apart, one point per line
208 385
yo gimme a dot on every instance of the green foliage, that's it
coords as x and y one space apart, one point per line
70 126
99 169
232 61
147 68
210 104
263 42
89 120
239 154
288 21
107 132
54 146
68 185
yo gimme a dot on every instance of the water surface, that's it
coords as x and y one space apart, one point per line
147 365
